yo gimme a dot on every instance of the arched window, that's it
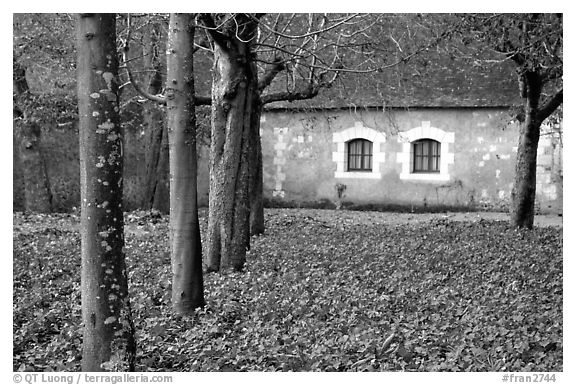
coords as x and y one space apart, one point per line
426 156
426 153
359 155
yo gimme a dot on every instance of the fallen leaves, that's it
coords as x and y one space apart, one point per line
322 290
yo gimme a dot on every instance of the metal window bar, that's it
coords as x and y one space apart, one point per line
360 155
426 156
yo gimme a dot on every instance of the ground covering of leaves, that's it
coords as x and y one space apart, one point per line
322 290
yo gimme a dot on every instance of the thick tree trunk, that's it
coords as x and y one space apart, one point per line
108 330
524 189
229 206
186 249
256 174
155 186
37 192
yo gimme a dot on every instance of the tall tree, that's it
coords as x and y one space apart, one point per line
534 43
311 52
108 329
307 47
37 193
185 243
234 83
187 284
156 151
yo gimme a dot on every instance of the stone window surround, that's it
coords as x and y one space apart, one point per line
425 131
358 131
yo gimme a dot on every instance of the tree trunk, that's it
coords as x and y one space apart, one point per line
155 187
186 249
229 206
108 329
162 193
37 192
256 174
524 189
154 127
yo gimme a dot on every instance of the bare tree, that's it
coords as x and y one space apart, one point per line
37 192
534 43
108 329
310 51
233 86
156 155
185 243
186 249
301 55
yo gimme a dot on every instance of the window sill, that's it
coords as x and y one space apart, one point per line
425 177
358 174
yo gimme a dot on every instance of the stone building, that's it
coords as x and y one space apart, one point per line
445 138
436 134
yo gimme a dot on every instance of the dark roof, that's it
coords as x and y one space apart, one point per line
435 80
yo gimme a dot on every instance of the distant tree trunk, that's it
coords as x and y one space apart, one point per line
154 134
162 193
108 329
154 184
232 92
256 175
186 249
37 193
524 188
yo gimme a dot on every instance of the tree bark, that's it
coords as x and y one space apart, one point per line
162 192
108 329
233 85
524 189
155 187
256 174
37 192
186 249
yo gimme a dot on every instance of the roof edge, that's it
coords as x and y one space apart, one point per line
376 108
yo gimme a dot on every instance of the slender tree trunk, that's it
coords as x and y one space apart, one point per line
108 329
37 192
186 249
162 193
154 185
229 205
524 189
256 174
154 127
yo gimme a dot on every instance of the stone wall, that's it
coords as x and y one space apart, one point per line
304 158
60 147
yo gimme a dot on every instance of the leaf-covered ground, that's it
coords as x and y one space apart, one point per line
322 290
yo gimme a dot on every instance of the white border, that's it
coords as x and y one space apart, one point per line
425 131
358 132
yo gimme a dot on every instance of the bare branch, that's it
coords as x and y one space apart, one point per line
551 105
212 29
155 98
269 75
307 93
202 44
312 33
